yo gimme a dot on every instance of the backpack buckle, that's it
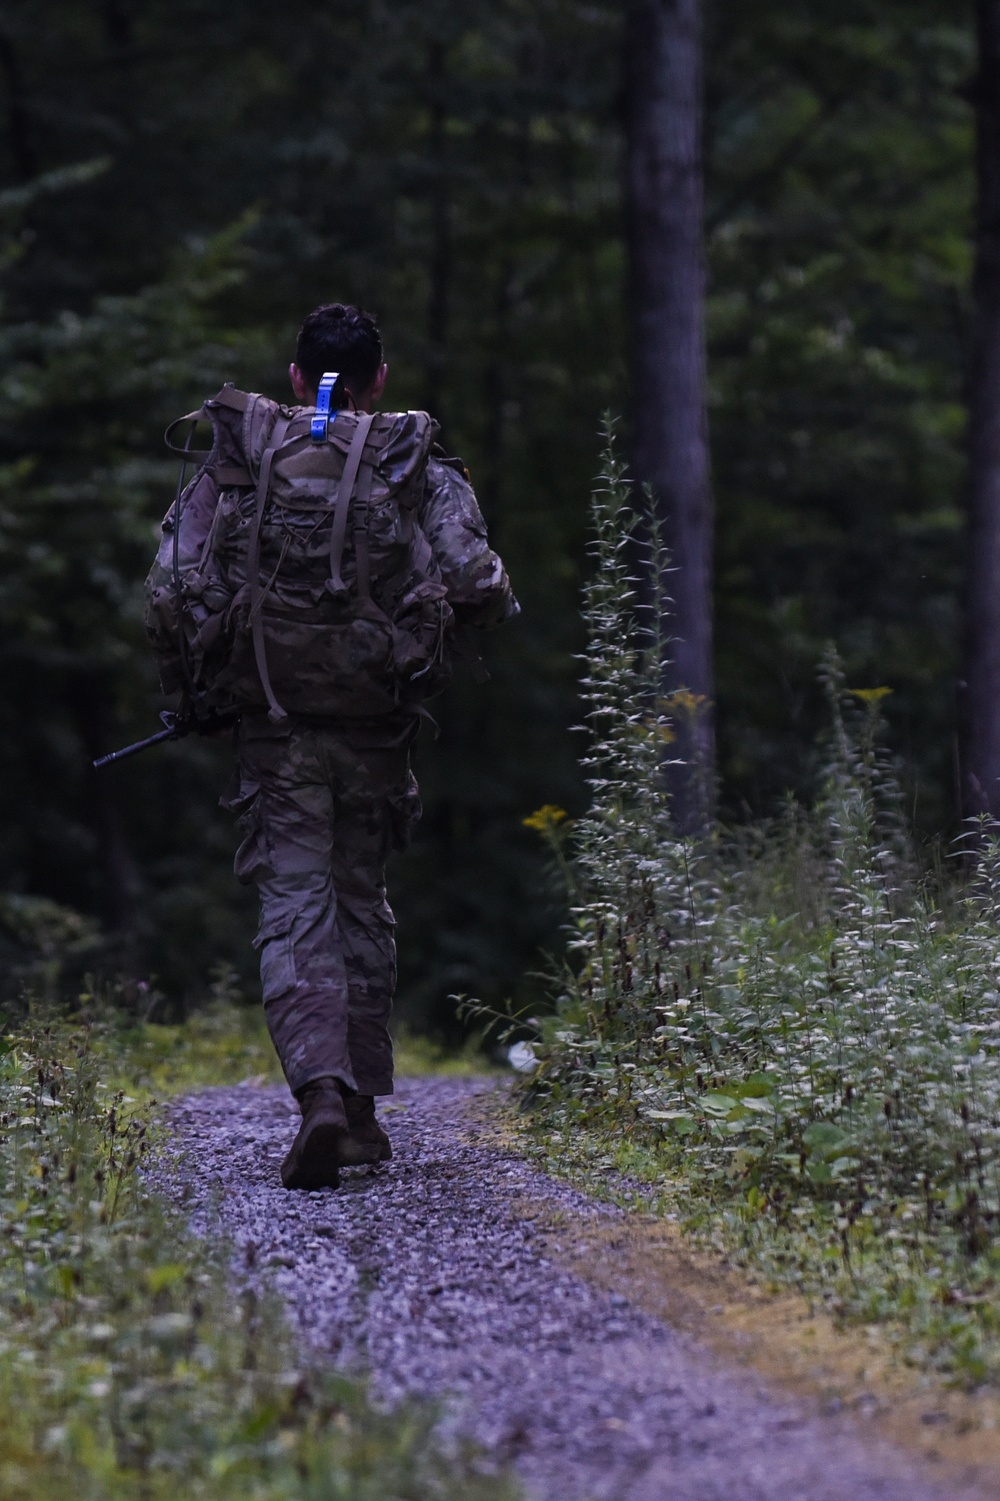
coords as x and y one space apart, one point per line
319 426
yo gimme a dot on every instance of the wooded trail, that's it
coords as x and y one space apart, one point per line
436 1275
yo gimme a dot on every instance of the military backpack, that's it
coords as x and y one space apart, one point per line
293 574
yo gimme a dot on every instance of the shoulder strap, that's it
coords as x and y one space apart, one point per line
338 528
361 559
275 711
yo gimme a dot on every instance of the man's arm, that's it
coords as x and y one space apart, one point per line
479 590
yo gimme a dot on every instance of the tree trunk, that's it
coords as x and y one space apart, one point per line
119 884
440 267
980 761
494 394
667 291
18 125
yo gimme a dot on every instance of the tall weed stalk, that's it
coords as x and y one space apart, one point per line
788 1015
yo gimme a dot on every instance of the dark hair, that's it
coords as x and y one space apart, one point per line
340 337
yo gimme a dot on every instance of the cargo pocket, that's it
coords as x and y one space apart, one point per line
405 810
277 961
251 862
386 928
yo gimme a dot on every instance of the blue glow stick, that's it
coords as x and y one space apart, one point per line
320 424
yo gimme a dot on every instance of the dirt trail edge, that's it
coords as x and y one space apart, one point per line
437 1275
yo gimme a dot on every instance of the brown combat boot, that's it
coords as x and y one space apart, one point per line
368 1142
317 1151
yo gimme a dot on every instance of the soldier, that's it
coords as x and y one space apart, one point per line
323 786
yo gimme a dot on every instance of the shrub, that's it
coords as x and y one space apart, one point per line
792 1016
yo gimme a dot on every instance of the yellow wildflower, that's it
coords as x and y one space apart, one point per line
683 699
870 695
545 819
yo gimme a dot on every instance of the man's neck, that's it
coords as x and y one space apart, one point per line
364 404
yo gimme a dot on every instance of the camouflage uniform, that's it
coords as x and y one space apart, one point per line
322 803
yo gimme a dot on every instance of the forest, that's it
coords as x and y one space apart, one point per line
699 936
184 182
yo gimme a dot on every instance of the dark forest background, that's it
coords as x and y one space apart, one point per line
183 181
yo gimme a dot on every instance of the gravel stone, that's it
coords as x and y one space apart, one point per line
425 1274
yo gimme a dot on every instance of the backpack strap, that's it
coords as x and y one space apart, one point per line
257 591
361 560
187 453
227 475
338 529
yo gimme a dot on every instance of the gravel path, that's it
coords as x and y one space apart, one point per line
423 1273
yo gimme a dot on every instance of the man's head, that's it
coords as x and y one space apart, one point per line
342 338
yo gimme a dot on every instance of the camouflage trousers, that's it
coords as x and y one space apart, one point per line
321 806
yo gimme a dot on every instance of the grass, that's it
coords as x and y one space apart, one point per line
228 1043
787 1038
129 1368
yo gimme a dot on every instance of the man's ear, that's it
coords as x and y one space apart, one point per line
378 385
301 387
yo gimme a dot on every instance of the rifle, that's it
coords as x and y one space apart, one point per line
176 725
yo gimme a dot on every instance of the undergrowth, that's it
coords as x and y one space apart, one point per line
130 1366
227 1043
790 1034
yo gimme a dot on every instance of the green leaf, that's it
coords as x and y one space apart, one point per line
842 1166
756 1086
824 1139
718 1104
160 1277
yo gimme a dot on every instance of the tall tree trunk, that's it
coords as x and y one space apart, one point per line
117 27
494 395
665 209
440 267
18 125
119 884
980 761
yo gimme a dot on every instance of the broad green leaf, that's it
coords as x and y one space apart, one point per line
718 1104
824 1139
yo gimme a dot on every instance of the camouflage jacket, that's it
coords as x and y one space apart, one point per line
479 590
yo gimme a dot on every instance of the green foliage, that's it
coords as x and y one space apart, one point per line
225 1042
452 167
180 181
83 403
840 209
791 1024
44 948
128 1368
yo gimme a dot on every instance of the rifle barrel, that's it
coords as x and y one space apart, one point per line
171 733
